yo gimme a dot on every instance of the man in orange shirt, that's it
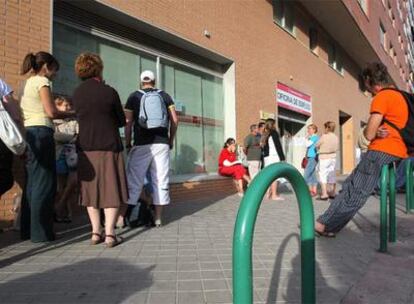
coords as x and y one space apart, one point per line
386 146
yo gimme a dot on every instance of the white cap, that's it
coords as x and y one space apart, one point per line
147 76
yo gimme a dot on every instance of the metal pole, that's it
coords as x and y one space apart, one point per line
383 208
392 237
244 228
408 187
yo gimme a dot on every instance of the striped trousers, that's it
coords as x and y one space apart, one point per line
355 191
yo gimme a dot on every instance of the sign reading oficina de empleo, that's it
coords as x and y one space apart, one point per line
293 100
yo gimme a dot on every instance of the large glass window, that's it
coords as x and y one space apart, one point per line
199 103
198 95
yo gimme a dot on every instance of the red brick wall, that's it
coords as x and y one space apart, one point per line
189 191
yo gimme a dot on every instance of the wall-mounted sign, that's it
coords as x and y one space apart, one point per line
293 100
266 115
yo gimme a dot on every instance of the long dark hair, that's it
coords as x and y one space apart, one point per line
270 125
35 62
229 142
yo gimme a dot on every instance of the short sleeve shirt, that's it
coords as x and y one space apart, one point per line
252 145
33 112
312 148
226 154
392 105
144 136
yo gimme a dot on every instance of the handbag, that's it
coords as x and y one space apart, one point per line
304 162
9 133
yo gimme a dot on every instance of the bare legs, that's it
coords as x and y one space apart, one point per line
111 214
272 192
95 219
324 191
240 184
313 190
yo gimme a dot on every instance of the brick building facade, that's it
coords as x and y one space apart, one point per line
226 63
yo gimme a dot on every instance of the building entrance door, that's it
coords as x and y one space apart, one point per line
347 149
292 129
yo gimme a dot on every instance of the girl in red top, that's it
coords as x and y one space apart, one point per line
230 166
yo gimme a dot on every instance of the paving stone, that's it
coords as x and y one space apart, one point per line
189 260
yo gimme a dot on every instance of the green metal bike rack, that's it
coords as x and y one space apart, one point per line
409 190
244 229
387 194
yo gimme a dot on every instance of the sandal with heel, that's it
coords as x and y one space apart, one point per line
115 241
96 242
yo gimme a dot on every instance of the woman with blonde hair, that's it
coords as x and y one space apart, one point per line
272 152
327 147
101 170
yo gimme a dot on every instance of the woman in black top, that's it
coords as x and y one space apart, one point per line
101 170
272 152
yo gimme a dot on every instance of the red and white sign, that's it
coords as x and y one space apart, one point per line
293 100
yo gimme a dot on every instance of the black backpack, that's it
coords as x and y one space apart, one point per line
407 132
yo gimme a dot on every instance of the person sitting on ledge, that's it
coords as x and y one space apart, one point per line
230 166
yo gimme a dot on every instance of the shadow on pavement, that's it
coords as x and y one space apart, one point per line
293 288
93 281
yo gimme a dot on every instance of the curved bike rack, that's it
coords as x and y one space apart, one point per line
244 229
387 193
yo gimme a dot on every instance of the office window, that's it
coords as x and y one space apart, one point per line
313 39
383 34
283 14
198 96
334 59
364 5
393 19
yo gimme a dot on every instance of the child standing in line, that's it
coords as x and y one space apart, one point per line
66 131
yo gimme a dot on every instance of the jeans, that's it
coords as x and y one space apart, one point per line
400 174
310 172
39 194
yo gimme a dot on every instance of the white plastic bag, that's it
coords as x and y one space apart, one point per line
9 133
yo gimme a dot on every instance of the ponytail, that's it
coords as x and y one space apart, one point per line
35 62
29 63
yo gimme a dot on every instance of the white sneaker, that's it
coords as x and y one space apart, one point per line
157 223
240 194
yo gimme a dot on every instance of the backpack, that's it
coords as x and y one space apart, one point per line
9 133
152 110
407 132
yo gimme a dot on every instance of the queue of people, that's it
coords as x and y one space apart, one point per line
81 147
52 128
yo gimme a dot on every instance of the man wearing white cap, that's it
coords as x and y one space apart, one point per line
152 115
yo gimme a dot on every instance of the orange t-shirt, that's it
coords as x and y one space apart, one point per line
392 105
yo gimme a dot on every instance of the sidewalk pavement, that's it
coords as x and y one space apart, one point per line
189 260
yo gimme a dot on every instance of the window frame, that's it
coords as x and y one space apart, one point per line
276 4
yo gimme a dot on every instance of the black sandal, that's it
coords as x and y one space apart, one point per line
116 241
